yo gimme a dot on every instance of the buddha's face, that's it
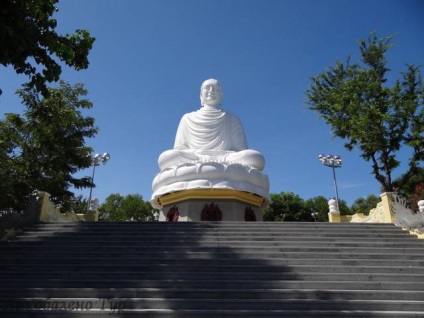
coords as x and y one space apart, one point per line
211 93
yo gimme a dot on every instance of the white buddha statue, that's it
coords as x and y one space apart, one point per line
210 134
210 152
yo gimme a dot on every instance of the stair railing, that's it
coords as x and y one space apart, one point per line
13 222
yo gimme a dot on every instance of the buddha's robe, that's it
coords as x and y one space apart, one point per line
210 134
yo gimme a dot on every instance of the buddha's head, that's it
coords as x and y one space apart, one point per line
211 93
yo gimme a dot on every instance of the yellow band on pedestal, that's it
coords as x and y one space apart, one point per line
211 194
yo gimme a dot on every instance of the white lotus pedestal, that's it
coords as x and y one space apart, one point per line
210 191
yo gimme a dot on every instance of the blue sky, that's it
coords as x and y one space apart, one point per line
151 56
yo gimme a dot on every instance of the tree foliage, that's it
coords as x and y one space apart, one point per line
290 207
43 148
413 189
358 104
286 206
30 44
132 207
364 205
78 205
318 208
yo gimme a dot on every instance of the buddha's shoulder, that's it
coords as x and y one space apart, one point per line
199 114
232 116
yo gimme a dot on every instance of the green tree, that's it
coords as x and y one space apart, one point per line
30 44
78 204
364 205
318 207
412 189
129 208
358 104
43 148
287 206
344 208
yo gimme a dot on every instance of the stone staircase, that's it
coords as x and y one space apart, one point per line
214 270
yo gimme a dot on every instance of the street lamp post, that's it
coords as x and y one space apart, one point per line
333 162
97 160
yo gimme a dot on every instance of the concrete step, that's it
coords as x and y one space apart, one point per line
201 226
75 246
159 232
210 304
214 313
215 270
233 242
206 276
204 228
225 255
163 230
158 268
211 224
36 259
51 282
203 293
355 238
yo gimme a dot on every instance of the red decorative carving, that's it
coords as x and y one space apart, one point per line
173 214
211 213
249 214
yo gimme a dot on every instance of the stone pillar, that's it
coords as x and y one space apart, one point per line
421 206
386 215
333 215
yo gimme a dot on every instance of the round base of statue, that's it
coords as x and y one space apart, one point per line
210 191
212 205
